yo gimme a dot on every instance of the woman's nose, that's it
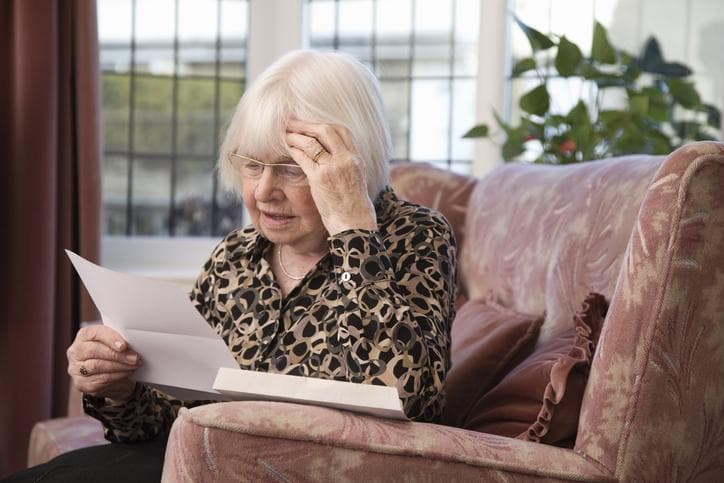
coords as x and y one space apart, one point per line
266 186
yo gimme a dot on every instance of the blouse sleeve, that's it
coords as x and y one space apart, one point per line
395 317
146 415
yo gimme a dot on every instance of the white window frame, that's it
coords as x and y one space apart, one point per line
179 259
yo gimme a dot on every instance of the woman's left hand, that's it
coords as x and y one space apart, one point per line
336 175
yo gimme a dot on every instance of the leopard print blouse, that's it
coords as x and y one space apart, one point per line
377 309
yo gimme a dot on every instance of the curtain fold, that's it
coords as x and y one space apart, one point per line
49 200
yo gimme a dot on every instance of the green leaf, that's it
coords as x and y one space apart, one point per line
568 57
660 142
479 131
503 125
536 101
652 61
713 115
684 93
658 110
639 105
651 57
601 49
673 69
579 114
537 40
523 65
513 147
602 79
686 129
530 128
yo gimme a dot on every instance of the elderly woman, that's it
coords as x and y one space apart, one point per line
335 278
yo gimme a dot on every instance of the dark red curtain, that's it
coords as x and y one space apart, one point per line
49 200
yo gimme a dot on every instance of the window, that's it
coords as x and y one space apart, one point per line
424 53
687 32
172 72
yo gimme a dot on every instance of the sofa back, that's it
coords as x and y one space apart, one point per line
539 238
648 233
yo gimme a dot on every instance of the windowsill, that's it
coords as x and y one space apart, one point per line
177 260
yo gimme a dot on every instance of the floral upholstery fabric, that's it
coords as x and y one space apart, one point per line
540 238
50 438
267 441
654 406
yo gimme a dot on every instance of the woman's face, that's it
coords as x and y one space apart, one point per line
284 212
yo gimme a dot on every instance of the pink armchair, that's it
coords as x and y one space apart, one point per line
647 232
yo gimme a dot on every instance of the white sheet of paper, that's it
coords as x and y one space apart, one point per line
181 353
380 401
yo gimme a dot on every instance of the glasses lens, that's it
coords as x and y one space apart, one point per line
290 173
250 168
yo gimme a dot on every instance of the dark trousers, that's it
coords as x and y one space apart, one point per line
117 462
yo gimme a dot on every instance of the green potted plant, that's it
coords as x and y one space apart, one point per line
662 111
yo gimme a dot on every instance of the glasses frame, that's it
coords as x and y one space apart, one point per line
272 165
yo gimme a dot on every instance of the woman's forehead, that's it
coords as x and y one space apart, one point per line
265 151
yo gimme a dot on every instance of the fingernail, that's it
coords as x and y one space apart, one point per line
132 359
118 344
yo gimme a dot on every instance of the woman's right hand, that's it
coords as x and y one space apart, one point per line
100 363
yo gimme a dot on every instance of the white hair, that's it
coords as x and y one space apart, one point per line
321 87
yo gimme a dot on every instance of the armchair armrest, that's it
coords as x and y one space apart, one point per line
52 437
256 440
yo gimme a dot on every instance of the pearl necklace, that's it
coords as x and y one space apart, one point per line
284 270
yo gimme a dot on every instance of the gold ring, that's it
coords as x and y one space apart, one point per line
319 153
83 371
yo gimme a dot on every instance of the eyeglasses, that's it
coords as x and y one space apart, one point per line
250 168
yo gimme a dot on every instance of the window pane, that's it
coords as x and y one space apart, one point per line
394 19
321 23
197 59
433 26
115 186
396 96
429 127
229 94
467 22
463 118
195 121
194 188
115 91
155 21
151 196
197 20
355 29
152 106
393 59
229 213
574 19
115 19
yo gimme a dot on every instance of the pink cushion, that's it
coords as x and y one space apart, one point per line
487 341
540 399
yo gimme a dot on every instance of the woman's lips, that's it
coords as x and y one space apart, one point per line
275 219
